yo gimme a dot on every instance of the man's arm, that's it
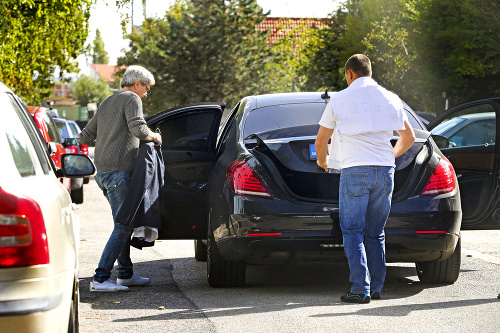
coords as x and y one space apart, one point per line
89 133
321 145
406 139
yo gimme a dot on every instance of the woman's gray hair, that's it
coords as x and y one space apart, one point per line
137 73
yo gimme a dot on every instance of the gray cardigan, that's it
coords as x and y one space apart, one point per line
115 131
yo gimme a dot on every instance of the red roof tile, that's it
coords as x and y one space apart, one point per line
281 27
106 72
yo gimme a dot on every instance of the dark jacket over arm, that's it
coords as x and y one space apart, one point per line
141 206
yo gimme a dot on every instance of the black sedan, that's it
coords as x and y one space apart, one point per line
472 129
249 191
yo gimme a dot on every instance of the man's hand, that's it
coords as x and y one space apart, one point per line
322 164
155 137
321 145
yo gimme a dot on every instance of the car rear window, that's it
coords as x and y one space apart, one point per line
282 116
290 115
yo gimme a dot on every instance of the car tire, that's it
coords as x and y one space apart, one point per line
74 323
441 271
86 180
221 273
77 195
200 250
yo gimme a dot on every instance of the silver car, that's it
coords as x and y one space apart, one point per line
39 231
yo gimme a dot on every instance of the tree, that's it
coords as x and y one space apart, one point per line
455 53
99 54
203 50
38 37
289 53
419 48
89 90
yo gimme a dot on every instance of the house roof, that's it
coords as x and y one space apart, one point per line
281 27
106 72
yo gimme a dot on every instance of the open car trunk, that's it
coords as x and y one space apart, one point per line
288 152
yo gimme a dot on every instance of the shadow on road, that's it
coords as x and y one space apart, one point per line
268 289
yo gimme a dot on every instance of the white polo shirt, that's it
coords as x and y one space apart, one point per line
359 149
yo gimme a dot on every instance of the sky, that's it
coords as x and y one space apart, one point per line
107 19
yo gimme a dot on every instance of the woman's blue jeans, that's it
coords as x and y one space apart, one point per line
114 185
365 202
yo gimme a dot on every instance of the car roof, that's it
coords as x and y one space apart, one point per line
478 116
261 101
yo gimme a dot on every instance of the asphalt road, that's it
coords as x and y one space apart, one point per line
291 298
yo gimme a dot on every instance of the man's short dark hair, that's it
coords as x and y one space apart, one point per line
359 64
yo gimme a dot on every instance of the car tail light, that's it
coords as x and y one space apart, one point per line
23 238
443 179
84 149
72 150
243 180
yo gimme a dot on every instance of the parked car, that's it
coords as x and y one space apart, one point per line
75 129
84 149
39 231
71 145
50 133
251 193
471 129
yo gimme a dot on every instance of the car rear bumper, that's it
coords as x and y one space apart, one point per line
26 306
33 299
280 249
275 239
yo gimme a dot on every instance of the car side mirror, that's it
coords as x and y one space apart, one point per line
441 141
70 142
51 148
76 165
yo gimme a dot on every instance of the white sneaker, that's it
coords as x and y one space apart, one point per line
108 286
135 280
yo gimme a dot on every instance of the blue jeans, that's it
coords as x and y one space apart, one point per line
365 202
114 185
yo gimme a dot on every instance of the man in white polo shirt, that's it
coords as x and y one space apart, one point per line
362 119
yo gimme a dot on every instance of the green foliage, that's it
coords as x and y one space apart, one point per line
325 56
289 54
89 90
99 54
418 48
455 53
202 51
36 37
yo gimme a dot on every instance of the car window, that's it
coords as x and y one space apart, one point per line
187 131
29 157
469 126
51 128
412 119
63 129
282 116
74 129
482 132
290 115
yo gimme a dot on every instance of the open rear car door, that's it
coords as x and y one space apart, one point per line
189 136
472 130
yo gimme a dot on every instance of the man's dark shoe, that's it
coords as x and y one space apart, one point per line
356 298
375 295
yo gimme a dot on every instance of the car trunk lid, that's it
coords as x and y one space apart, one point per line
286 152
